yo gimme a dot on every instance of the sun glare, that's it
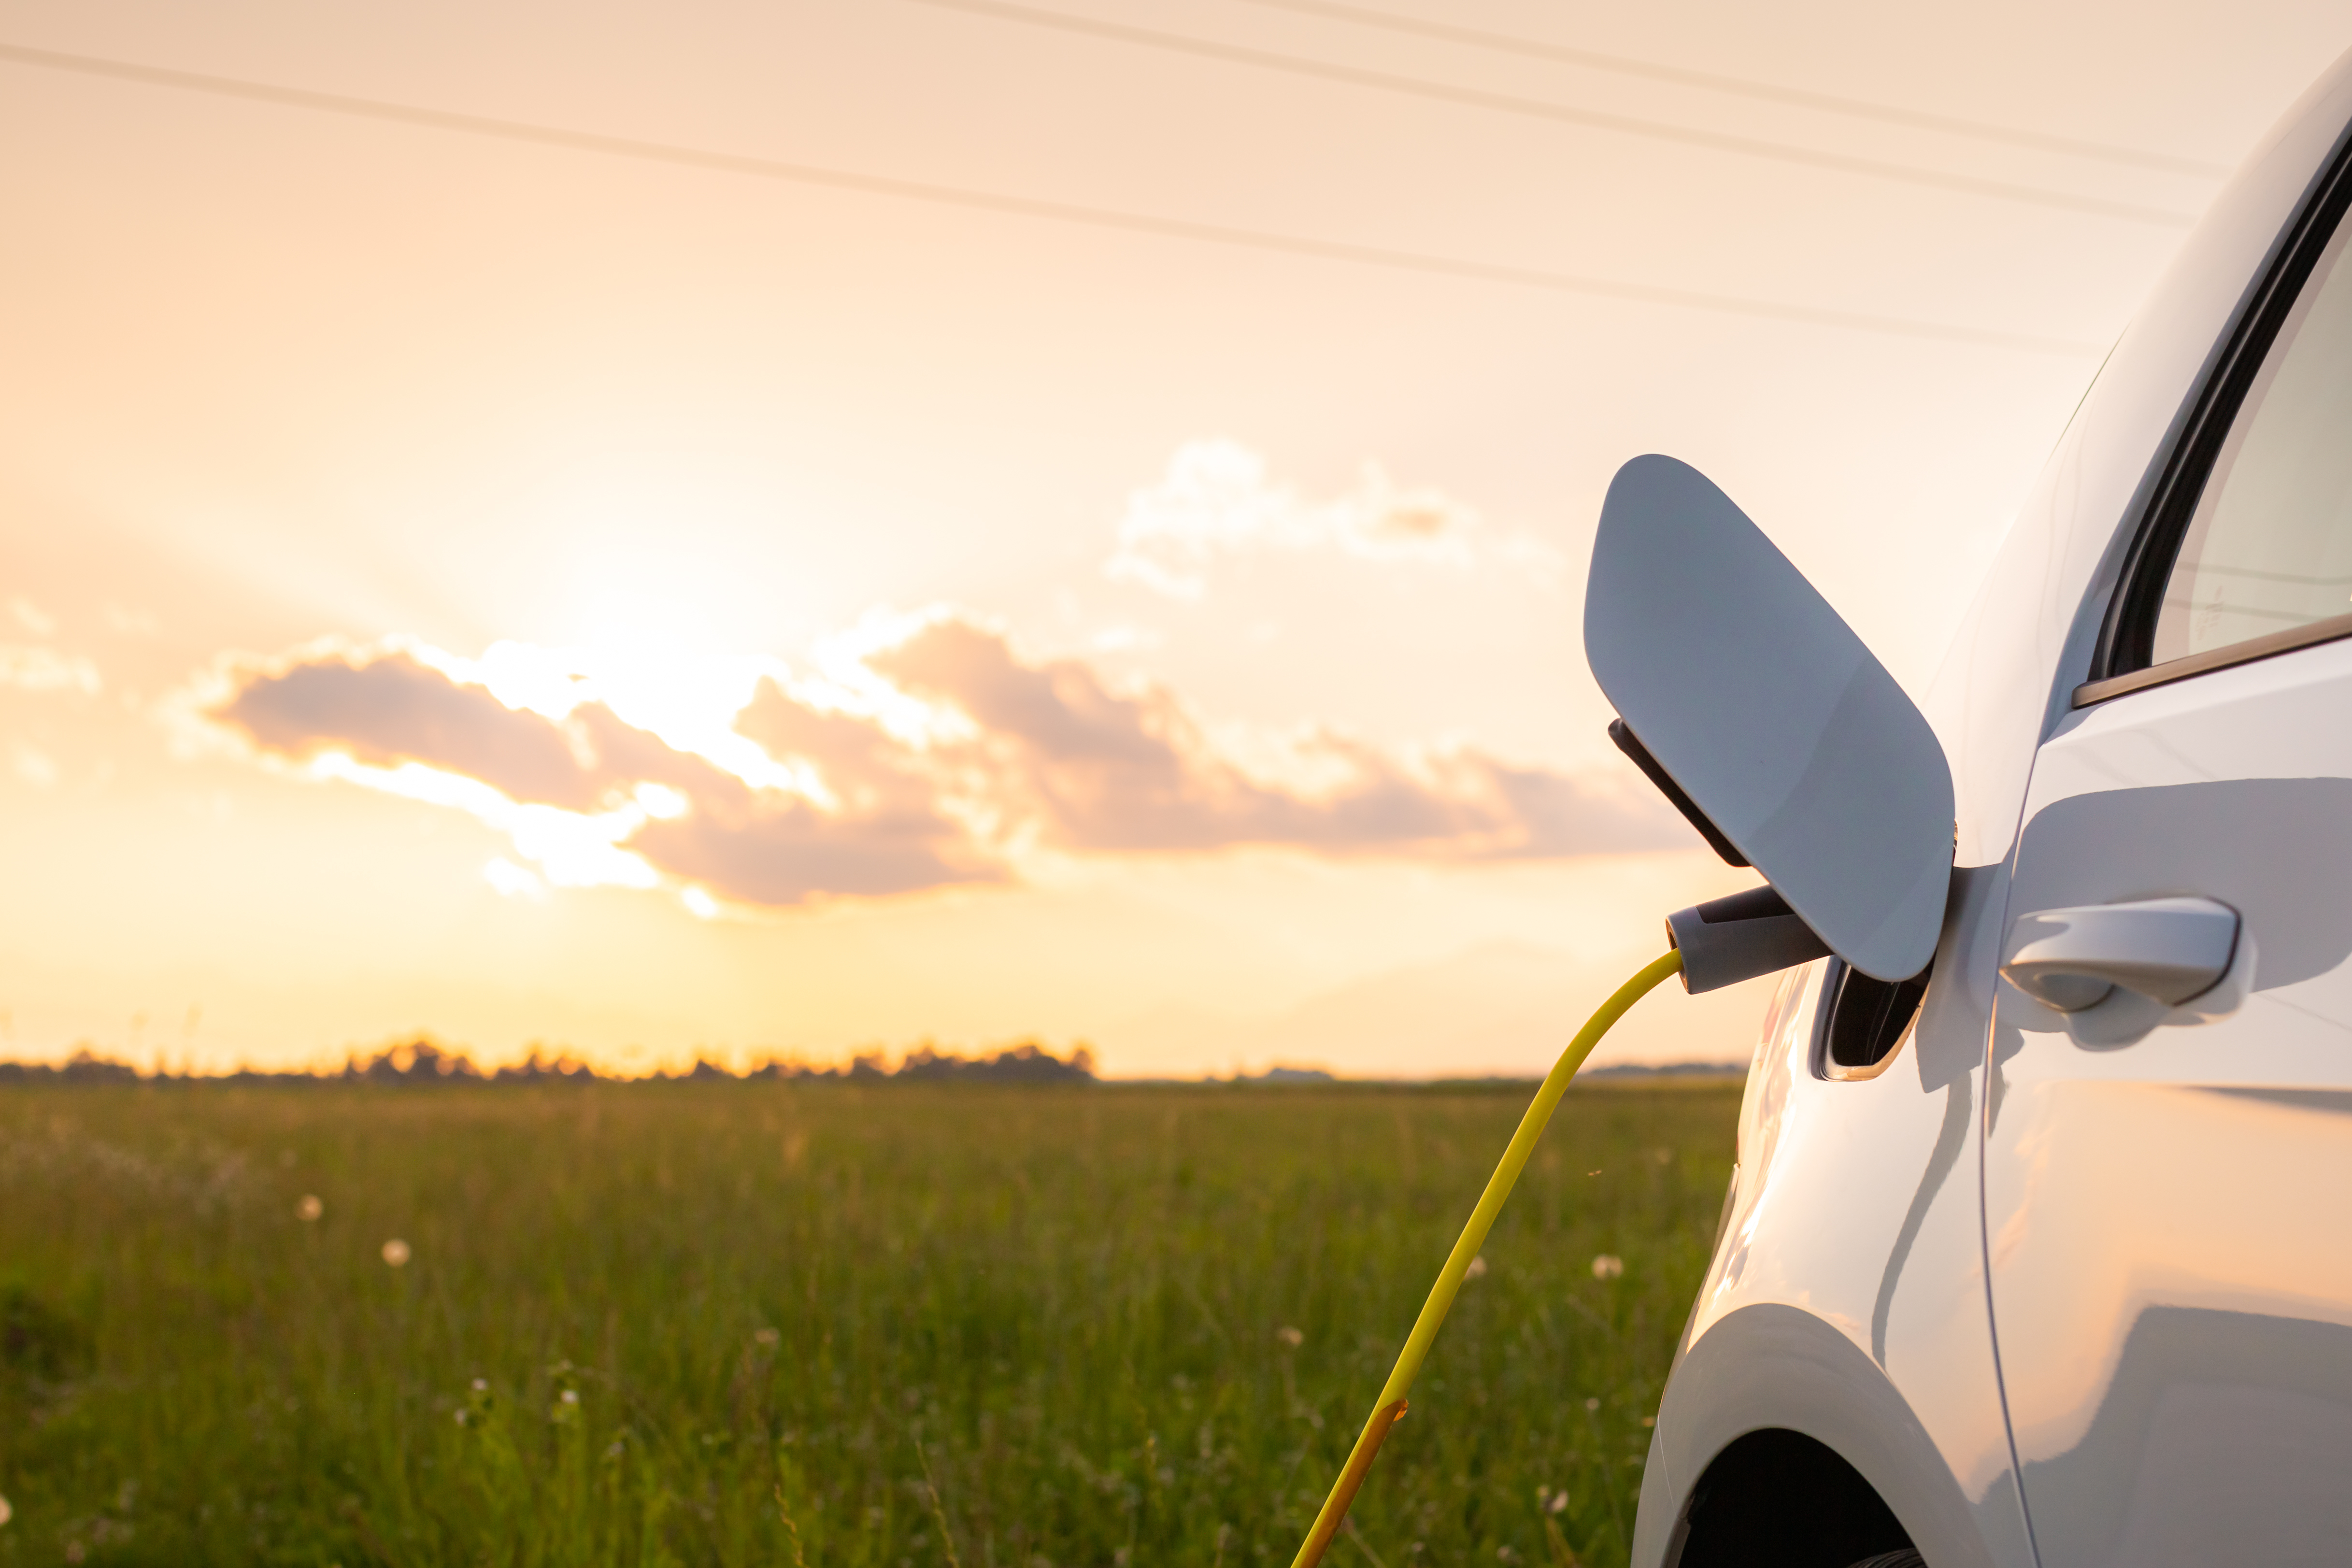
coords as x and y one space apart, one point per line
512 880
572 849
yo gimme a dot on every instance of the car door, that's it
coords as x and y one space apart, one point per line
2167 1176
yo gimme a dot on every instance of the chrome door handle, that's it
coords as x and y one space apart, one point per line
2167 950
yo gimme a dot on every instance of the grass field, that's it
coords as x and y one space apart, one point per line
776 1322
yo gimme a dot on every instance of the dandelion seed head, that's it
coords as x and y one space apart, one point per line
1608 1265
395 1252
571 1396
309 1208
1291 1336
481 1385
1478 1270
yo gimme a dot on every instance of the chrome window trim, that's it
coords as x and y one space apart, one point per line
2308 635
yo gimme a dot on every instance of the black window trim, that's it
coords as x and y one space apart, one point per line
2120 662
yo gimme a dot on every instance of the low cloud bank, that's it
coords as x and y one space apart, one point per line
939 757
1098 770
699 823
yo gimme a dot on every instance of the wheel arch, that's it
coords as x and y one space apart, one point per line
1772 1368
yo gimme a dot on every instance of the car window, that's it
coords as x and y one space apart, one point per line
2269 547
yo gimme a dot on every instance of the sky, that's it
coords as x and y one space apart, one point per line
745 530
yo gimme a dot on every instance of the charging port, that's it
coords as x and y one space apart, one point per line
1866 1020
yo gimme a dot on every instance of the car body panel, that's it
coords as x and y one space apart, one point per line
1770 715
2027 638
1848 1296
1852 1259
2163 1191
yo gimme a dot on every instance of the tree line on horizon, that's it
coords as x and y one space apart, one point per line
424 1061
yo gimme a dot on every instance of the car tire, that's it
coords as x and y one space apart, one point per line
1907 1558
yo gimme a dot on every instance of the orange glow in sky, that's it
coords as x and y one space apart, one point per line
739 529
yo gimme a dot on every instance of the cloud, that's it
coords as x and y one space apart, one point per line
1216 499
393 709
937 756
125 621
512 880
46 670
591 799
36 767
1102 770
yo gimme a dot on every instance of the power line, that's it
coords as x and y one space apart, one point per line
1951 125
1023 206
1540 108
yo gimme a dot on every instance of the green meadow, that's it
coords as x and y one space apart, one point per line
821 1323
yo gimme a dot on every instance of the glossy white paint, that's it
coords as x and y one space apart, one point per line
2168 951
2026 641
1846 1298
2170 1287
1849 1297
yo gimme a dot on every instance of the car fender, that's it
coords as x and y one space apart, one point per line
1774 1365
1845 1299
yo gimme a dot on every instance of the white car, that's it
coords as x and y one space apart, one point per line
2040 1253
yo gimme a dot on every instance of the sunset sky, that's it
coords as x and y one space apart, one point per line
745 530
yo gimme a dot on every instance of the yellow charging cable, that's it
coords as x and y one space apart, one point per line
1391 1407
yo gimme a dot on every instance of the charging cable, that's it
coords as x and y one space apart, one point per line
1391 1407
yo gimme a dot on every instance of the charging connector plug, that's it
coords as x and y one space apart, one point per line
1725 940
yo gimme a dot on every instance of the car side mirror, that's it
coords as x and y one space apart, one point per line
1767 721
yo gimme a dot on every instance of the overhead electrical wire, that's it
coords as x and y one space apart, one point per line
1742 87
818 176
1560 113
